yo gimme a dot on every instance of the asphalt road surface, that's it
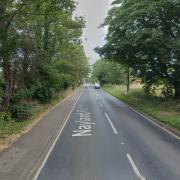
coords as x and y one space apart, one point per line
104 139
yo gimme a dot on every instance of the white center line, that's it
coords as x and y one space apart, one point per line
100 104
110 122
135 167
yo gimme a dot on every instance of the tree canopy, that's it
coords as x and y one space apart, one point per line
146 36
40 48
108 72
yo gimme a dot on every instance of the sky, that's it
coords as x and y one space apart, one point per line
94 12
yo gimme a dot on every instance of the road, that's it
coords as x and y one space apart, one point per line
104 139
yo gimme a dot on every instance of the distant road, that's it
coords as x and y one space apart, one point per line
105 140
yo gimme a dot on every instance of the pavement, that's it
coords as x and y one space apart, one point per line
93 136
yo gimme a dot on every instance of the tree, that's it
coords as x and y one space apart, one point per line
145 35
34 38
108 72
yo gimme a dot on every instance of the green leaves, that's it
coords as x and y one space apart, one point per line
40 50
145 35
108 73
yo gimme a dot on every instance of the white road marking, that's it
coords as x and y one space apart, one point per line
54 143
122 143
81 133
100 104
110 122
156 124
138 174
148 119
84 124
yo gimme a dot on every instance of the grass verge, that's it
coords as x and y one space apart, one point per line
11 130
166 110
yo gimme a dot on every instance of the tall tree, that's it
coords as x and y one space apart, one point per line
108 72
146 36
33 37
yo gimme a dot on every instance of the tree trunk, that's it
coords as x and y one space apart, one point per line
6 66
176 82
7 83
177 93
46 33
128 79
4 53
177 90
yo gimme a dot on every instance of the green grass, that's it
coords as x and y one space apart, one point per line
166 110
11 127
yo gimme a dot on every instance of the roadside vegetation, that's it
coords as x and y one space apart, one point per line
155 104
144 39
9 125
166 110
41 56
107 72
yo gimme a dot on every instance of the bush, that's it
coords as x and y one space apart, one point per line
41 91
24 94
43 94
167 90
21 111
5 116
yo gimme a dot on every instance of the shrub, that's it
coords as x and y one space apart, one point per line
21 111
24 94
43 94
5 116
167 90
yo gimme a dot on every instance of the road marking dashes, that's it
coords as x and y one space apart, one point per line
100 104
110 122
138 174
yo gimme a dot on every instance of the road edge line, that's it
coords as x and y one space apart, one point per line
55 141
157 124
150 119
